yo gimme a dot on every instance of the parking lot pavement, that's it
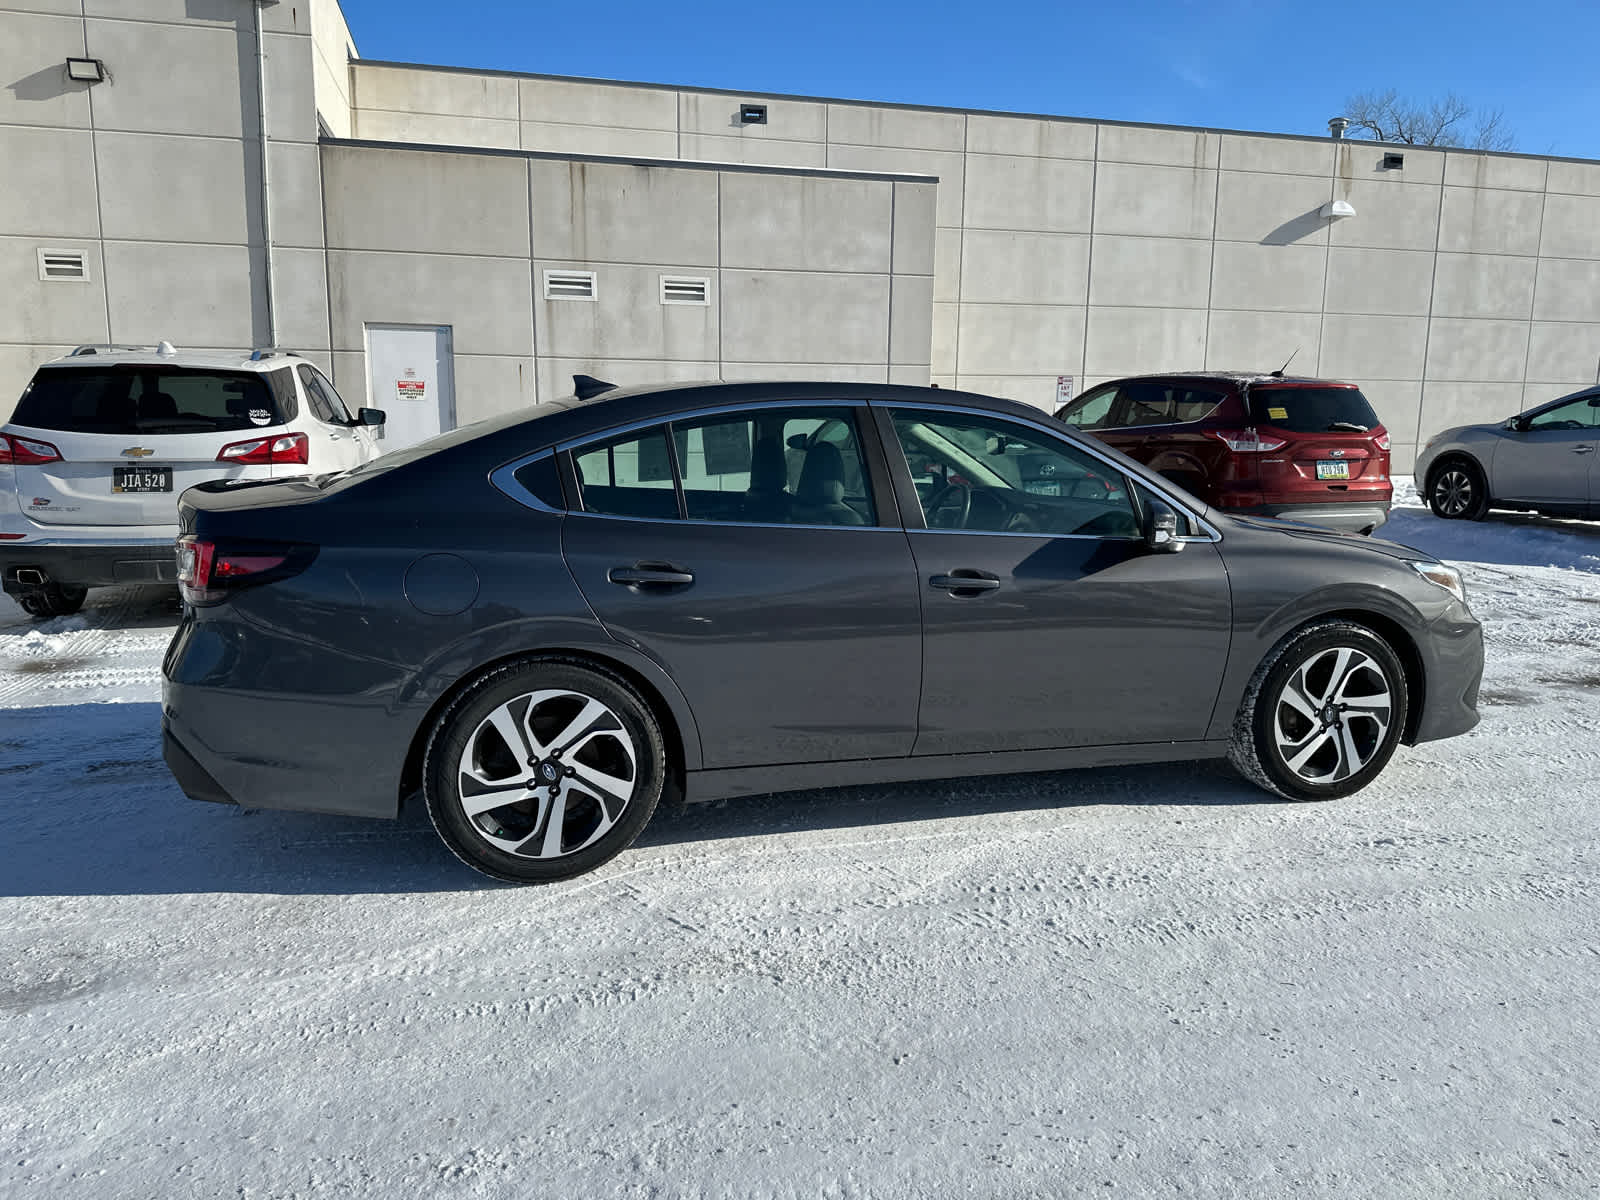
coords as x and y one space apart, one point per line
1139 981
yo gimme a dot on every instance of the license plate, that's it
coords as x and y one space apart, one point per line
141 479
1332 470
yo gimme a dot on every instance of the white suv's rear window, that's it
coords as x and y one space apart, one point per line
127 400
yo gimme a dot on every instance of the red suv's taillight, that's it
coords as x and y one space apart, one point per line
1381 441
208 570
1248 441
25 452
268 451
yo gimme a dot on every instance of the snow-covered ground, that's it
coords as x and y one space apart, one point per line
1149 981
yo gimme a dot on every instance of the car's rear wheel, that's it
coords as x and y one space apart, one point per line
1323 713
1457 490
52 600
543 769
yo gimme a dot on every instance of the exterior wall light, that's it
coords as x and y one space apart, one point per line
752 114
86 70
1337 210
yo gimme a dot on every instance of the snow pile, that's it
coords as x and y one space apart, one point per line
1132 982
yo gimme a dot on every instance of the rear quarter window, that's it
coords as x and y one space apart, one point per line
1313 409
129 400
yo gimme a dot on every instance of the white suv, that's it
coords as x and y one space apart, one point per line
103 441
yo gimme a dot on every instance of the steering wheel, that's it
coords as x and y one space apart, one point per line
937 502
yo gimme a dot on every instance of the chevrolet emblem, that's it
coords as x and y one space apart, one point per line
137 452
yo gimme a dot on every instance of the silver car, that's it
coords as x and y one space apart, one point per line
1542 460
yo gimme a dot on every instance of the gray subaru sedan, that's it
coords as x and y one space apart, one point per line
541 624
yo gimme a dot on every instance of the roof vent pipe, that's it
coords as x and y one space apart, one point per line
1337 126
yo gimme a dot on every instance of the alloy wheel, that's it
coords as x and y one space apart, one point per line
1332 715
1454 492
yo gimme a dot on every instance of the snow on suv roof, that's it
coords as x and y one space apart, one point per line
230 360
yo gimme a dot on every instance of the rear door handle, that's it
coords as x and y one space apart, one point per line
1584 449
650 575
964 581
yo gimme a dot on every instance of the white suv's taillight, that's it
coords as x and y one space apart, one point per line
25 452
1248 441
289 448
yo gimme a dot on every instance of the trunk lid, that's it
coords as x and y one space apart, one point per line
1335 444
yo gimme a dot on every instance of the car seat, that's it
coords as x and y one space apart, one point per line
768 499
819 497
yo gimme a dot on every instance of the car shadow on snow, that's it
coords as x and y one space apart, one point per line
91 810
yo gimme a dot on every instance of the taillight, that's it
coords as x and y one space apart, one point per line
1381 441
1248 441
25 452
268 451
208 570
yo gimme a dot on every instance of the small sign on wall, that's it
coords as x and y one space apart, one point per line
1063 389
409 389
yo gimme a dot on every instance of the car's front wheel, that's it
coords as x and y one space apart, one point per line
1457 491
52 600
1323 713
543 769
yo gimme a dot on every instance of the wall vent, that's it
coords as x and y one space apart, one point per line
63 264
685 289
569 285
1394 162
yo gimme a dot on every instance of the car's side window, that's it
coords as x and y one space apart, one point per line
774 466
330 396
991 475
323 401
630 476
1092 411
1576 415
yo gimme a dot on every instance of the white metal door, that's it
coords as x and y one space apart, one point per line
410 376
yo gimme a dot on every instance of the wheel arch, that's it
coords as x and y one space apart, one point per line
1455 454
1398 638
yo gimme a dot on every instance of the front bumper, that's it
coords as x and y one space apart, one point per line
1347 518
25 565
1453 671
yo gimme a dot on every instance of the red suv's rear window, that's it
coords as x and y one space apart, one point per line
1312 409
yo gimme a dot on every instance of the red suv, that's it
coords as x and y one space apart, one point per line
1306 449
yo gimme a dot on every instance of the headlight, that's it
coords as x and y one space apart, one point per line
1440 575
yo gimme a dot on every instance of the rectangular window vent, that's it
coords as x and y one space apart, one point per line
63 264
685 289
752 114
1394 162
569 285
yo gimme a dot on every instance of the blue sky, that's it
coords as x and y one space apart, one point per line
1280 65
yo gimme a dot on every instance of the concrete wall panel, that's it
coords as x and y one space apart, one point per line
445 93
488 385
1150 272
911 376
32 310
1567 289
1573 178
382 125
946 319
1241 152
1020 339
296 192
190 295
488 301
617 212
1490 222
155 181
767 152
1388 215
300 286
1464 169
1249 276
787 120
1356 159
948 168
868 125
409 200
1271 209
1571 226
627 319
1039 194
1190 148
551 138
1446 404
735 372
1379 281
1025 268
1036 390
1396 402
1483 285
555 374
49 183
790 317
1157 201
606 105
1469 351
1564 352
947 263
806 223
911 321
1131 341
1261 341
1358 348
1029 137
214 92
34 88
914 205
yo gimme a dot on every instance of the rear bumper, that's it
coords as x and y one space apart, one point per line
1348 518
24 565
196 783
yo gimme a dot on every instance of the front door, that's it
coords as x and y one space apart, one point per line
781 598
1551 459
410 375
1046 621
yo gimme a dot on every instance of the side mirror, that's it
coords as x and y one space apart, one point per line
1161 528
371 416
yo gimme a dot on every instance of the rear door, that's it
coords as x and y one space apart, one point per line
787 614
131 437
1551 460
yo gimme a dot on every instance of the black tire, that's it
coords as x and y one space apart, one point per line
1267 715
52 600
1457 490
597 824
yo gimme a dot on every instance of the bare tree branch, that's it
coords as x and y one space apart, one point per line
1382 116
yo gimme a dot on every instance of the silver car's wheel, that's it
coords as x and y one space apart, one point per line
543 770
1456 491
1322 714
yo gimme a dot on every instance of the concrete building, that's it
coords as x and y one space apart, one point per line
494 233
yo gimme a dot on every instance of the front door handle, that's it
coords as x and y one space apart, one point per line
650 575
1583 449
964 581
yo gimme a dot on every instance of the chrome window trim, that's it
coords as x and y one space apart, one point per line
1212 534
681 522
505 480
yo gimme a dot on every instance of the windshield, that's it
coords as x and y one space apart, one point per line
1313 409
127 400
